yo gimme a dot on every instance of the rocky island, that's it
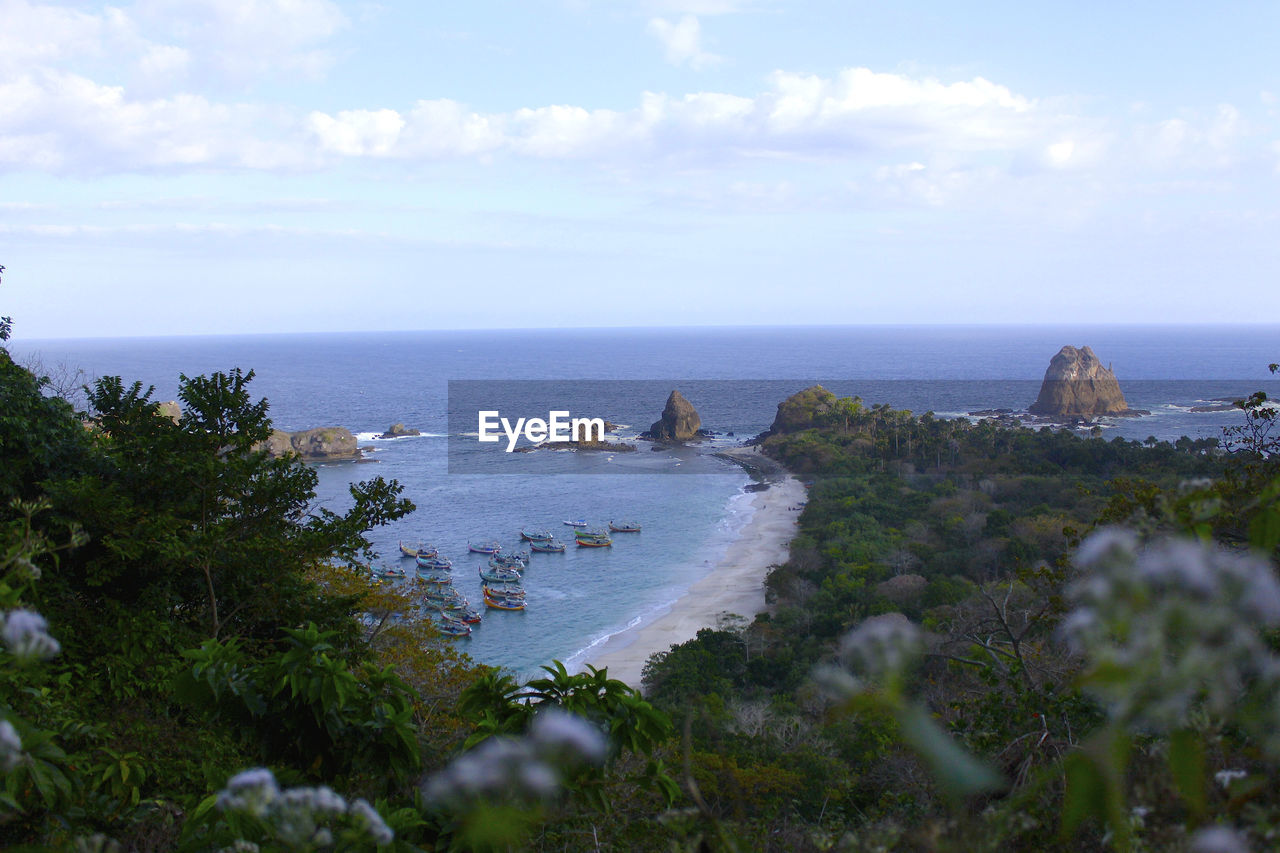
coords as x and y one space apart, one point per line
399 431
679 421
323 444
1076 385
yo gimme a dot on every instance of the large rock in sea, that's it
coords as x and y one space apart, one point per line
679 421
1077 385
399 431
802 410
323 444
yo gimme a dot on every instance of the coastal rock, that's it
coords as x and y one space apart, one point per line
323 444
803 410
679 421
1077 385
399 431
171 410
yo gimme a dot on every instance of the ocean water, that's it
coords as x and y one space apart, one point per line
735 377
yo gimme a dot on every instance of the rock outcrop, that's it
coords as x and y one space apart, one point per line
323 444
399 431
171 410
803 410
679 421
1077 385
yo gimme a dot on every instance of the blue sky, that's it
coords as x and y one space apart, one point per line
212 166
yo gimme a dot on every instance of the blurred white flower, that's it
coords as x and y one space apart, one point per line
1226 777
26 634
558 734
367 817
1218 839
882 645
10 746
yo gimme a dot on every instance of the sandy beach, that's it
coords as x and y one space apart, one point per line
735 585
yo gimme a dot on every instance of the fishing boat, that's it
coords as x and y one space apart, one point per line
418 550
391 572
453 627
511 588
467 615
443 595
434 562
490 547
581 522
510 561
499 601
550 547
535 535
434 578
624 526
592 538
498 575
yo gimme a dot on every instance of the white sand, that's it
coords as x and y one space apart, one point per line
735 585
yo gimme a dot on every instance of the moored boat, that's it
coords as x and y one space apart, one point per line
581 522
550 547
453 627
490 547
418 550
390 572
489 573
593 539
624 526
434 578
510 561
500 601
535 535
434 562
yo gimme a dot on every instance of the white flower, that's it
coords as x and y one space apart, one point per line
1218 839
251 791
882 644
10 746
558 734
26 633
372 822
1109 543
1226 777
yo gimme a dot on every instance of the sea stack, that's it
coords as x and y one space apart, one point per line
679 421
1077 385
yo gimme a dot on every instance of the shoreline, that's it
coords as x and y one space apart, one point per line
734 585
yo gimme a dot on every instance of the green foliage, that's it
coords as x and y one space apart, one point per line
305 706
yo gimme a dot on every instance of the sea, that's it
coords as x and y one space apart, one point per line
467 492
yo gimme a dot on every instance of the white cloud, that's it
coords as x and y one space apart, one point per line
356 133
682 42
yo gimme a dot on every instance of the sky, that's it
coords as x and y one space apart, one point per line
244 166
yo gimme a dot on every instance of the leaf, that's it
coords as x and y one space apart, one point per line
1086 794
1186 763
957 773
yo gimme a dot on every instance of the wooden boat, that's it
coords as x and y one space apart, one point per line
444 595
434 578
581 522
624 527
503 602
594 542
512 588
436 563
418 550
551 547
453 628
467 615
498 575
594 533
535 535
510 561
490 547
390 572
